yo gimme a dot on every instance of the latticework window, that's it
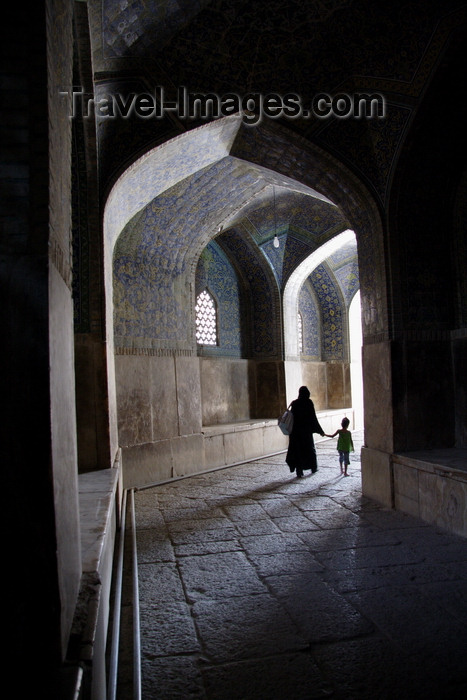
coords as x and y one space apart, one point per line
300 331
206 319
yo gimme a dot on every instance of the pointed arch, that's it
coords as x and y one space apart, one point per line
158 218
295 282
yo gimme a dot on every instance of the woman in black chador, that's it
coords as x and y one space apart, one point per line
302 453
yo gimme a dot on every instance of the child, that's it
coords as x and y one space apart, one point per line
344 445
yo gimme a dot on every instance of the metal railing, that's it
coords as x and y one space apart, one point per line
117 605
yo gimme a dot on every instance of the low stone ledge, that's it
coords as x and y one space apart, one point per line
327 418
447 462
432 485
97 491
223 428
98 521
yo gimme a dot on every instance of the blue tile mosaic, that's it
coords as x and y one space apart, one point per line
216 274
309 308
332 314
158 250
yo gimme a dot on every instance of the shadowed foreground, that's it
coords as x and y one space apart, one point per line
257 585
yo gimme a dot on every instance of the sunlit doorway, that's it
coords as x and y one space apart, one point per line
356 375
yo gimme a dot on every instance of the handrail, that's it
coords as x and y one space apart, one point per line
136 623
113 666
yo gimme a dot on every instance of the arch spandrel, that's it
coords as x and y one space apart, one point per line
159 249
162 168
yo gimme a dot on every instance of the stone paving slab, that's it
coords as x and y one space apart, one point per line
426 612
198 524
347 538
169 678
297 561
367 557
295 523
257 585
203 536
168 629
220 575
257 527
159 583
272 544
284 676
372 668
152 547
246 628
211 547
321 614
347 580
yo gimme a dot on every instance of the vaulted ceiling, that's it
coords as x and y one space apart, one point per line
266 46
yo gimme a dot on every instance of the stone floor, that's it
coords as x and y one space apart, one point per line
257 585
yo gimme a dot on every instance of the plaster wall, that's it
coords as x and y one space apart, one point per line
409 405
338 384
158 397
228 444
55 199
293 379
330 420
443 502
39 443
111 378
268 385
64 447
99 511
238 390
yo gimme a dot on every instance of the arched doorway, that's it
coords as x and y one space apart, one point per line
356 342
160 215
294 375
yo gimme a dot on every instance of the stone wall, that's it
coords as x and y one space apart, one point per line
39 444
225 390
164 402
159 416
329 384
64 459
92 406
432 485
182 415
